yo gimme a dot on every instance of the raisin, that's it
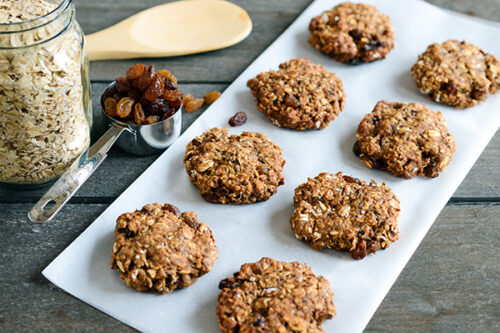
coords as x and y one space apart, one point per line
166 74
194 104
172 209
360 251
159 107
134 94
145 79
291 101
122 85
110 106
373 45
169 85
356 34
124 107
155 89
138 114
238 119
229 283
172 95
188 98
448 87
350 179
211 97
135 71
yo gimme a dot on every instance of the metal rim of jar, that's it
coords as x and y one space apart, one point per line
45 20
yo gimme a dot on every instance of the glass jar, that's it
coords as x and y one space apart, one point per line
45 106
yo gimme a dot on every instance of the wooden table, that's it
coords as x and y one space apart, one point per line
452 283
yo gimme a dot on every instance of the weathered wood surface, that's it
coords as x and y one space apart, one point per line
452 283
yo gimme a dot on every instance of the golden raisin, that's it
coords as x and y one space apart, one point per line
110 106
166 74
145 79
211 97
151 120
188 98
172 95
138 114
135 71
194 104
124 107
155 89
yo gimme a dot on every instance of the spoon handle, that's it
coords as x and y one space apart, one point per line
71 180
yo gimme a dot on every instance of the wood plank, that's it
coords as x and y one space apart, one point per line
451 283
270 19
110 180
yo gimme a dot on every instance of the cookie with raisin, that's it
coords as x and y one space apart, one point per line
352 33
405 139
159 249
344 213
234 169
456 73
300 95
274 296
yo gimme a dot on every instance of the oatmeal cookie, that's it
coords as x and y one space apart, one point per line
406 139
344 213
158 248
456 73
300 95
236 169
352 33
274 296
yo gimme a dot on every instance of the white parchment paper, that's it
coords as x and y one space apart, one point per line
247 233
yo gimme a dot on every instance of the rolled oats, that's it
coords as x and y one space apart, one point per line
44 122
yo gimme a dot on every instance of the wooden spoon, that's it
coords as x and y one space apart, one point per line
172 29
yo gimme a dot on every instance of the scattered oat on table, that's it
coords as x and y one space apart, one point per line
300 95
352 33
274 296
406 139
236 169
344 213
158 248
456 73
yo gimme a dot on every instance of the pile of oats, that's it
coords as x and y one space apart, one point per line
43 123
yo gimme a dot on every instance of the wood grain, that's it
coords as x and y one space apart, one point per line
451 283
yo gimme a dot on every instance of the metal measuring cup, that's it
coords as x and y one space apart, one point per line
141 140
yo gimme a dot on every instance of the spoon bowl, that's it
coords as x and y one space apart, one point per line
172 29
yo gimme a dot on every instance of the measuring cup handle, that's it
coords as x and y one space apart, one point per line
76 175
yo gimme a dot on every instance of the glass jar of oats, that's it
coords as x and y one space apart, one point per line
45 109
